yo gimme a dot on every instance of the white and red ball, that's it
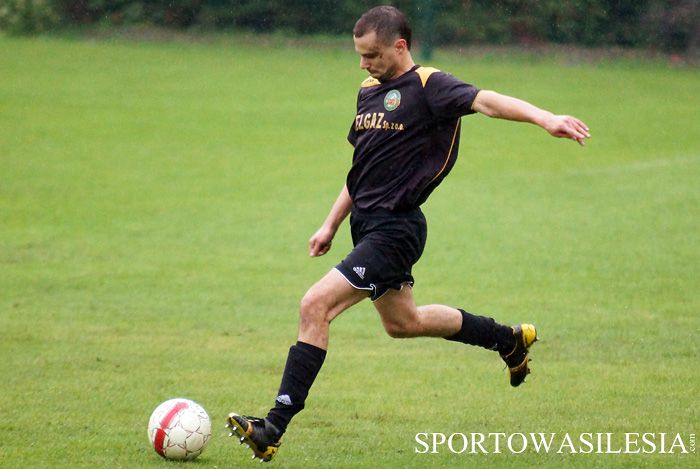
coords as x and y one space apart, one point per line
179 429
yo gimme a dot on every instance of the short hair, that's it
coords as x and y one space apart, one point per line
387 22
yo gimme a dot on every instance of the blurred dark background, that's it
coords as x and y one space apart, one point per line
662 25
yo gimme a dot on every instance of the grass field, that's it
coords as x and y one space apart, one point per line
156 200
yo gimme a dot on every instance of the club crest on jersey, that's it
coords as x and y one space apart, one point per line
392 100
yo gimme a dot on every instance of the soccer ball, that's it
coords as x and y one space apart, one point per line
179 429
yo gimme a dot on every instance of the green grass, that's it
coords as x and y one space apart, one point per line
155 203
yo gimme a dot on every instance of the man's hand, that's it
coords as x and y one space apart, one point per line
320 242
501 106
567 127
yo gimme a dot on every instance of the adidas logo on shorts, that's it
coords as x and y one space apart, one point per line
360 271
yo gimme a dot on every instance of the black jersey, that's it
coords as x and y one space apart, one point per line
406 136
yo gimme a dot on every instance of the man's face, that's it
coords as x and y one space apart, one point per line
379 59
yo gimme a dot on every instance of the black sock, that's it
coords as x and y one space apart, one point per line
484 332
303 364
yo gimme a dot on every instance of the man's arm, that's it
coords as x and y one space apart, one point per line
500 106
320 242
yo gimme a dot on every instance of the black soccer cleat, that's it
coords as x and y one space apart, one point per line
517 360
258 434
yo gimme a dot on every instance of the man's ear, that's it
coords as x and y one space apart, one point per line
400 45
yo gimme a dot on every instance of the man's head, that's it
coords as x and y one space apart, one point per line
387 22
382 37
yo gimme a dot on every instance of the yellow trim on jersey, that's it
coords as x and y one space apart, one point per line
424 73
370 82
449 153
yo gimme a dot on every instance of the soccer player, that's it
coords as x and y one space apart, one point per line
405 137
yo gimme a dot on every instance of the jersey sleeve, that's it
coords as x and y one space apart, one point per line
352 133
449 97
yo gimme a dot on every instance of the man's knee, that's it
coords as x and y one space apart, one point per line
399 317
313 308
400 330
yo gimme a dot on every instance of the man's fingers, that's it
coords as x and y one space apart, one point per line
579 127
313 248
583 129
575 129
570 127
318 249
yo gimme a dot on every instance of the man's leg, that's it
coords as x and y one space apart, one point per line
323 302
402 318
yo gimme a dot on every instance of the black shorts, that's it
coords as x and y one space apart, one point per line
387 244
